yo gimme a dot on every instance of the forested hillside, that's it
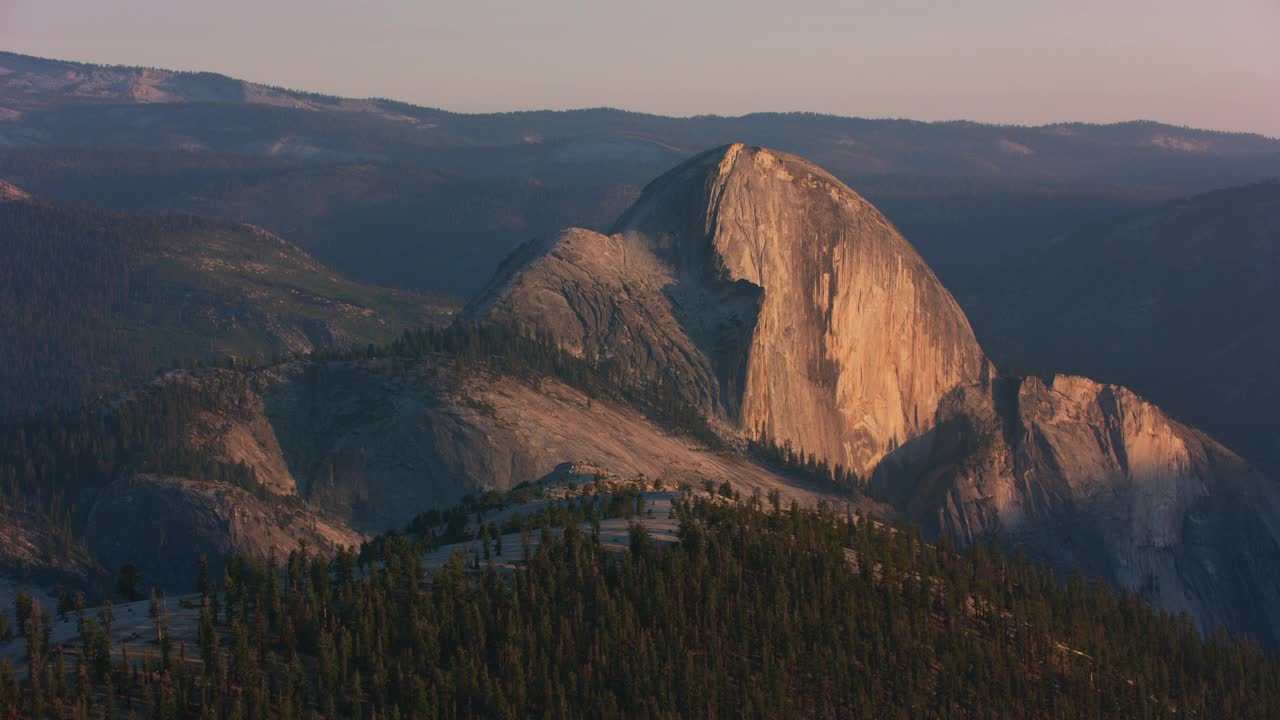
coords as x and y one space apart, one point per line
56 467
211 428
94 299
756 611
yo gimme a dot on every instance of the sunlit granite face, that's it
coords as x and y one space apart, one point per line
783 303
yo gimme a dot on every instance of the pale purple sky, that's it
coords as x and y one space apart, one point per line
1189 62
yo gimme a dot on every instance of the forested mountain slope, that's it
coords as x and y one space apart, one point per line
755 611
95 299
326 449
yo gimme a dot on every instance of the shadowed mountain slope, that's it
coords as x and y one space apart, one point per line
1181 302
93 298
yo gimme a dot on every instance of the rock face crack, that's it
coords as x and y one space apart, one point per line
850 342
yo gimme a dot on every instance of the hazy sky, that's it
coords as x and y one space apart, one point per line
1191 62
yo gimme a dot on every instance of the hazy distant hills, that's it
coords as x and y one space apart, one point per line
95 297
1181 302
423 198
35 91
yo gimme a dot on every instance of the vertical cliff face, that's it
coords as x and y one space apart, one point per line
1152 505
1089 476
784 303
853 342
770 292
163 523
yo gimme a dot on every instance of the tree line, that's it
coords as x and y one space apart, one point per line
752 613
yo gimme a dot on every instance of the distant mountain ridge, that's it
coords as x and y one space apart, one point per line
38 86
38 77
449 194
